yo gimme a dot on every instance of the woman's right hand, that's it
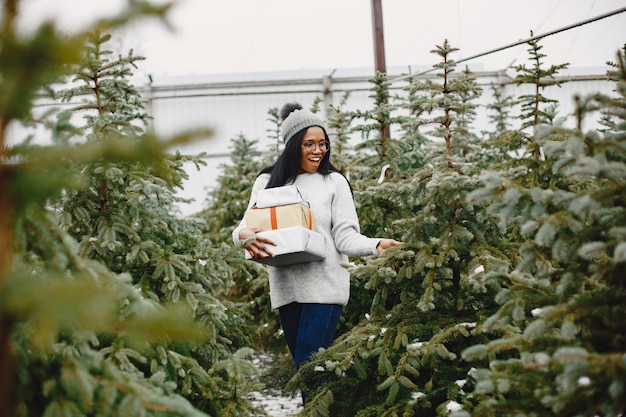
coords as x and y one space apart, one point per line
386 244
257 248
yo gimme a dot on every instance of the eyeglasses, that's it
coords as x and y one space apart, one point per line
310 146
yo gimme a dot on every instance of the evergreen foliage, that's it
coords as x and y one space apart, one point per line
228 200
525 258
564 298
339 123
501 112
125 219
536 109
500 144
377 148
507 298
109 302
226 206
274 131
378 118
403 358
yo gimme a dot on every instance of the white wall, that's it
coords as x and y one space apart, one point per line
233 104
238 103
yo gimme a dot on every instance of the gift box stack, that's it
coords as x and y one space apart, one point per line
287 220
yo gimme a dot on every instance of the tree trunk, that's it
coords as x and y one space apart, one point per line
7 384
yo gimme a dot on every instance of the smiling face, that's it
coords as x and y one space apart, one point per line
313 148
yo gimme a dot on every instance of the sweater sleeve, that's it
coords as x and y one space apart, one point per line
259 184
345 223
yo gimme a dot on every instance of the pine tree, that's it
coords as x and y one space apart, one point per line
125 219
378 118
85 330
468 144
502 142
501 112
378 152
227 201
536 109
403 357
377 180
562 305
340 127
274 131
226 206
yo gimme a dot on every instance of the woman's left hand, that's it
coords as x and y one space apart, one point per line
386 244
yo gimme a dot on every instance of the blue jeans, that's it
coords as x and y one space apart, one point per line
307 328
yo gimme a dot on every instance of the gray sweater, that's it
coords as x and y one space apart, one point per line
326 281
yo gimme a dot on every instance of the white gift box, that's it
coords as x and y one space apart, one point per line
294 245
279 196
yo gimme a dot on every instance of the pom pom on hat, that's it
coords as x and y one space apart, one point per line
288 108
295 118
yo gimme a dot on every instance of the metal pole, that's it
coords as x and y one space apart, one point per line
379 39
379 53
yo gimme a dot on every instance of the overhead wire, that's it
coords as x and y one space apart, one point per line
255 30
546 16
550 9
523 41
578 33
459 20
600 35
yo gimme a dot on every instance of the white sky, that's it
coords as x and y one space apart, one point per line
213 36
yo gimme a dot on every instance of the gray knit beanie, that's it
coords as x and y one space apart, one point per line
295 118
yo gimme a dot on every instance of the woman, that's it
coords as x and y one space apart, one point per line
310 296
